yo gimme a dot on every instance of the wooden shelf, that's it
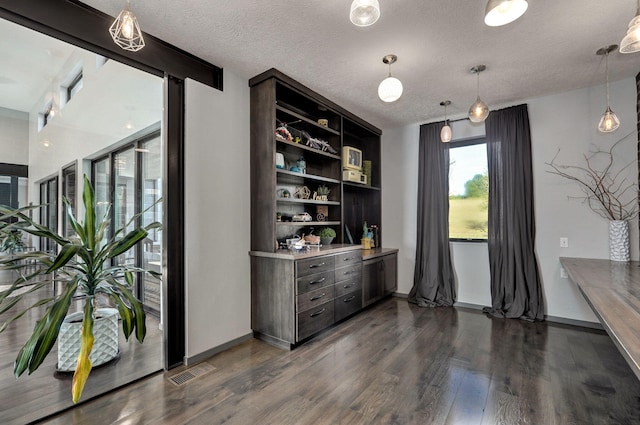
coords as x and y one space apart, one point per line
360 186
280 107
306 201
308 223
289 174
307 148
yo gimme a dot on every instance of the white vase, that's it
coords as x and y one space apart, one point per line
619 240
105 335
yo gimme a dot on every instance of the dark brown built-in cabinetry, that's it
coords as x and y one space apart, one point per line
296 294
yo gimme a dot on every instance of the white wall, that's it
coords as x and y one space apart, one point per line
14 136
565 121
217 234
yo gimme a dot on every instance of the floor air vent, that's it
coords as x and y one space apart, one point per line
191 373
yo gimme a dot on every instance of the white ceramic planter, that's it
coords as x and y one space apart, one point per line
105 334
619 240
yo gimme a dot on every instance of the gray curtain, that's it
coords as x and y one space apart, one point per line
433 281
516 291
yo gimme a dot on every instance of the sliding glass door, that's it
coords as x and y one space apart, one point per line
49 211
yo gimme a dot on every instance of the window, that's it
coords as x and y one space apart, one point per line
69 191
468 190
75 86
49 211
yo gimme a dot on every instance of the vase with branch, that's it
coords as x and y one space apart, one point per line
607 191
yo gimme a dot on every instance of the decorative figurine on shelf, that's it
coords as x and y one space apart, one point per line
282 133
367 237
302 192
280 160
302 165
283 193
322 212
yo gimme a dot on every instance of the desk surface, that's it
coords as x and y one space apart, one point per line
612 289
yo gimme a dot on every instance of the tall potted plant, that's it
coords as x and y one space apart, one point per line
607 192
84 267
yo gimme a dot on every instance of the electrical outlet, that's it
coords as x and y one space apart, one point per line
564 242
563 273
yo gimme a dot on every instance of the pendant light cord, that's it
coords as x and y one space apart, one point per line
478 85
606 62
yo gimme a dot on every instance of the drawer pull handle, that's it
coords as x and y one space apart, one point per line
349 285
317 313
318 281
351 272
348 259
313 266
351 298
318 297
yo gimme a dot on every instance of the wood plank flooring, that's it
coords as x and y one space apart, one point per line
396 364
45 392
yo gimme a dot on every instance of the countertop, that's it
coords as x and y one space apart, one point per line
310 252
612 289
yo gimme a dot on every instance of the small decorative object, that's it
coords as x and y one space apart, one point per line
607 192
295 243
322 212
312 239
323 122
323 193
366 170
294 169
327 234
282 133
283 193
305 216
278 216
302 192
302 165
367 237
280 160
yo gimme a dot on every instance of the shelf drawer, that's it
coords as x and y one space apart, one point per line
347 304
348 272
348 258
314 298
315 319
314 265
349 285
314 281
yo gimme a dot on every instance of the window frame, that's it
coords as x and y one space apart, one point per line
461 143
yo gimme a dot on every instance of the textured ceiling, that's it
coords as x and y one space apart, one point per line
550 49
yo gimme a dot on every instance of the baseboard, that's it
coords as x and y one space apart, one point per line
399 295
188 361
552 319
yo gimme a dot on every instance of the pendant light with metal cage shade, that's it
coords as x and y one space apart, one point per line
479 111
364 12
445 133
631 42
609 122
390 89
502 12
125 30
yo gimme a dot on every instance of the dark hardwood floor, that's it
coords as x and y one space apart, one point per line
45 392
396 364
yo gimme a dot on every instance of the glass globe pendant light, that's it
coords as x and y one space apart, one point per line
631 42
609 122
445 133
479 111
125 31
502 12
390 89
364 12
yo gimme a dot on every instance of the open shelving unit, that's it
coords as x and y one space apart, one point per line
277 99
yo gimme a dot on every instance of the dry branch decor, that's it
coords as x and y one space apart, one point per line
607 191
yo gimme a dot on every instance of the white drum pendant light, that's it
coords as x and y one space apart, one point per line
445 133
125 31
502 12
631 42
479 111
364 12
609 122
390 89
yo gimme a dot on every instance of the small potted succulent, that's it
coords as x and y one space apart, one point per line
322 194
326 235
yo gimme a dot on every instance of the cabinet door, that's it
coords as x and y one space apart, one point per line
372 281
390 267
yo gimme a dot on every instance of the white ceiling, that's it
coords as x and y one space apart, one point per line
550 49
